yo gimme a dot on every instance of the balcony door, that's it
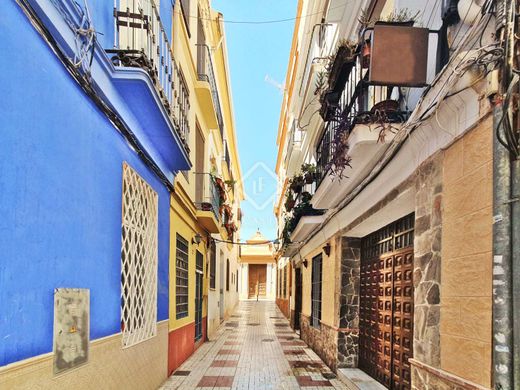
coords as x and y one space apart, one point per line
201 49
199 166
134 25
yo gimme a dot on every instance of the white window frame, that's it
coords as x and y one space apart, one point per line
139 259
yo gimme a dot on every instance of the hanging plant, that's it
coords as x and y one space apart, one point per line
221 188
289 201
341 63
306 197
296 184
309 173
340 159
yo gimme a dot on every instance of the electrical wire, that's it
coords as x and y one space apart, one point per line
275 241
257 22
413 124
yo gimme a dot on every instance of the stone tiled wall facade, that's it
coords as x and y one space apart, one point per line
466 296
142 366
348 334
427 261
427 377
323 341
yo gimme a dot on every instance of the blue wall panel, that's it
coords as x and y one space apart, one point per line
60 196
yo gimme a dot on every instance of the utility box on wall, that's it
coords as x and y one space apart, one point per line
71 328
399 55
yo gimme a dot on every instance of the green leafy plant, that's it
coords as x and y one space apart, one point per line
402 15
306 197
230 183
309 173
289 201
296 183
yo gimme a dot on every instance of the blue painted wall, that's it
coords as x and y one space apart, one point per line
60 196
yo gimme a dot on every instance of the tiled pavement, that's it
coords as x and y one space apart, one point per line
254 349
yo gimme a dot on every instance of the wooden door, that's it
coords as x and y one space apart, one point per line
386 304
257 280
297 297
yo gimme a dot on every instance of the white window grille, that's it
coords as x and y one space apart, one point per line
138 259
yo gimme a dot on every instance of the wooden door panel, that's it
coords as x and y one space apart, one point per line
386 305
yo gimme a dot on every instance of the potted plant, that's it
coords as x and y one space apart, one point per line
309 173
206 206
230 183
297 183
342 62
306 197
289 201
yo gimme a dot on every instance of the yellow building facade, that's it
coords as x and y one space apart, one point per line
205 206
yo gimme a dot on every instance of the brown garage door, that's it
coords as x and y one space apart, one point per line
386 304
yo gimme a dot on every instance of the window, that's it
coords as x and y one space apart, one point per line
199 275
138 259
185 7
181 277
236 280
316 291
212 264
227 275
182 105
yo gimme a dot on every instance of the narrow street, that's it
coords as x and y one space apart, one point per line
254 349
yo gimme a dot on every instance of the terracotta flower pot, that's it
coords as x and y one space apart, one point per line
365 55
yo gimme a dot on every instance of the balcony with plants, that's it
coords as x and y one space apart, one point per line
227 220
147 72
300 215
362 111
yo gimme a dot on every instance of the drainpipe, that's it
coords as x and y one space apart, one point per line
502 232
502 319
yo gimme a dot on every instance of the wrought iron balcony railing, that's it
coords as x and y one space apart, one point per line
206 72
358 103
207 194
140 40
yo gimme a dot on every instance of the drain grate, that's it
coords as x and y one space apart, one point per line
253 324
181 373
328 375
267 340
233 324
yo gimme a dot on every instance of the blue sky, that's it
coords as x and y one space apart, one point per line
256 51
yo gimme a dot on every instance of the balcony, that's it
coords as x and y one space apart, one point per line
302 217
207 202
207 89
360 121
147 73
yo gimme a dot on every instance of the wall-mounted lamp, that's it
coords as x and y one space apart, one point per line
277 245
197 239
326 249
305 263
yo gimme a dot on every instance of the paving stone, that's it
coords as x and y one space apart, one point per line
240 359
